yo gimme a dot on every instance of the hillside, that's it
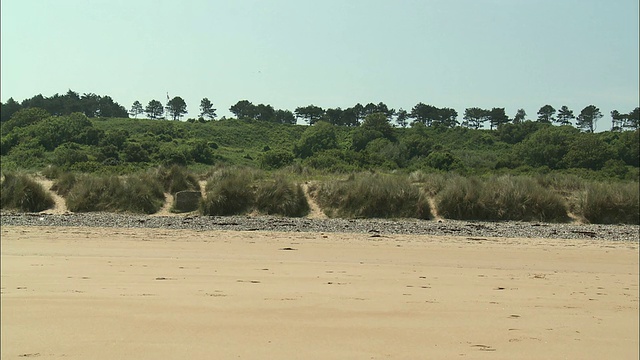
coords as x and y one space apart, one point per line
32 139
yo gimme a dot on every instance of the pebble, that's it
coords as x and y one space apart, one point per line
375 227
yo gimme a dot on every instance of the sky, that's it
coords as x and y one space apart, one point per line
331 53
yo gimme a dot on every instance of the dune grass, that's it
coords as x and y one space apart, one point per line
21 192
611 203
140 193
177 178
228 192
368 195
281 197
500 198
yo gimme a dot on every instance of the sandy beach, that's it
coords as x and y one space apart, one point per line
117 293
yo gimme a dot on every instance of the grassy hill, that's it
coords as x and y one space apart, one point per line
33 140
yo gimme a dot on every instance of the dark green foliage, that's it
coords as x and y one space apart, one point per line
373 196
499 198
547 147
417 145
154 109
115 137
335 161
517 132
588 118
56 130
281 197
22 193
316 138
91 105
386 154
611 203
177 178
8 109
628 147
442 160
202 151
176 107
134 152
68 154
361 137
172 154
275 159
135 193
379 122
588 151
23 118
228 192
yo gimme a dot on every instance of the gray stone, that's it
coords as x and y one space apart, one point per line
186 200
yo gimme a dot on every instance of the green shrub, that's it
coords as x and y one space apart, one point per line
23 193
499 198
68 154
135 193
373 196
281 197
134 152
228 192
177 178
611 203
319 137
276 159
443 160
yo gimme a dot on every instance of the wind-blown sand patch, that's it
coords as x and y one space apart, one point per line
164 294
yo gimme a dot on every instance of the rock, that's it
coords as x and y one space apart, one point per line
187 200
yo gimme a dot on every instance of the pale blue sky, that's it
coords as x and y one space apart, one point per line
332 53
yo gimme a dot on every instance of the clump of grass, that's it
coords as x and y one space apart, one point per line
432 184
281 197
500 198
64 183
52 172
177 178
611 203
21 192
141 193
228 192
372 196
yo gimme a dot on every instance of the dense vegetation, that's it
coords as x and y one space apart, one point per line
69 137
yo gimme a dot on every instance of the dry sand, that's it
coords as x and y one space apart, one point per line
96 293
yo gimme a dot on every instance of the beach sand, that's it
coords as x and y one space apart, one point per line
108 293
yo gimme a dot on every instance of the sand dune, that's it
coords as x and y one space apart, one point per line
96 293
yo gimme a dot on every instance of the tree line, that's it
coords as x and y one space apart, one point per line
93 105
90 104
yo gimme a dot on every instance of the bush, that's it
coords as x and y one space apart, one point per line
611 203
134 152
23 193
68 154
228 192
319 137
276 159
373 196
172 154
443 160
500 198
281 197
177 178
135 193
